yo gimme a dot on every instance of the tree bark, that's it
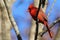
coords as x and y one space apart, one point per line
5 20
5 23
32 32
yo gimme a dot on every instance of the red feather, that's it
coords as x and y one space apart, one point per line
41 16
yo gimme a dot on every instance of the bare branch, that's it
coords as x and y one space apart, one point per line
52 25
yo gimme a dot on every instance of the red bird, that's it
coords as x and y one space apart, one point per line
41 16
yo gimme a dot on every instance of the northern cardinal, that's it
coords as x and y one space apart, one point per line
41 16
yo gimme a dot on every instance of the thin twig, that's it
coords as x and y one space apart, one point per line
52 25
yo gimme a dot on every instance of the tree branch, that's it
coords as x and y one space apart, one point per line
52 25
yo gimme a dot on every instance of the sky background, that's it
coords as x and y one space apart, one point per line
23 18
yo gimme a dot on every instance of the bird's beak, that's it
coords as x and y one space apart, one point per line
27 10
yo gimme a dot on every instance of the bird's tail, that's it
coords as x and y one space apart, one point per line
50 33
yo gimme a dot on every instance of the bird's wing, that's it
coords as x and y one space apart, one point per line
43 15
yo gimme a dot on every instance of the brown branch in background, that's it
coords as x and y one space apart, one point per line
12 20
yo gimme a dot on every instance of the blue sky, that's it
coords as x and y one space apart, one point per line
54 11
23 18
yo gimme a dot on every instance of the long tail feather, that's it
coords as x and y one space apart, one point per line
46 24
